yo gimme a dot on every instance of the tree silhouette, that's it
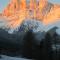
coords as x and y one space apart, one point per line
48 48
27 48
56 51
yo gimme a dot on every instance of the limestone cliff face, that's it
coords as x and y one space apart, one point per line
18 10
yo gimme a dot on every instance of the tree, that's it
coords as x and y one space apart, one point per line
48 48
27 48
56 51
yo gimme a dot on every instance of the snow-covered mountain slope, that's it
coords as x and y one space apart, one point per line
36 26
52 25
25 26
33 25
29 24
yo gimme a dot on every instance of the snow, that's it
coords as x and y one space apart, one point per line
31 24
11 58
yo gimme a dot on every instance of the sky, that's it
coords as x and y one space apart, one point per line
3 3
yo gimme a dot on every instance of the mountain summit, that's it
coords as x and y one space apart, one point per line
19 10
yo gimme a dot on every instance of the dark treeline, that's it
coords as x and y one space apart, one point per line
49 47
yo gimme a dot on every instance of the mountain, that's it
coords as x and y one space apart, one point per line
17 11
14 15
53 25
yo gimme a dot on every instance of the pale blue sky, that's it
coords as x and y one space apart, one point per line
3 3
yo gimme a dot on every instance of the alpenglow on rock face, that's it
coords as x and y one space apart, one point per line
19 10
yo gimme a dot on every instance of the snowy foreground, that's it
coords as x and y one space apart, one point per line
11 58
